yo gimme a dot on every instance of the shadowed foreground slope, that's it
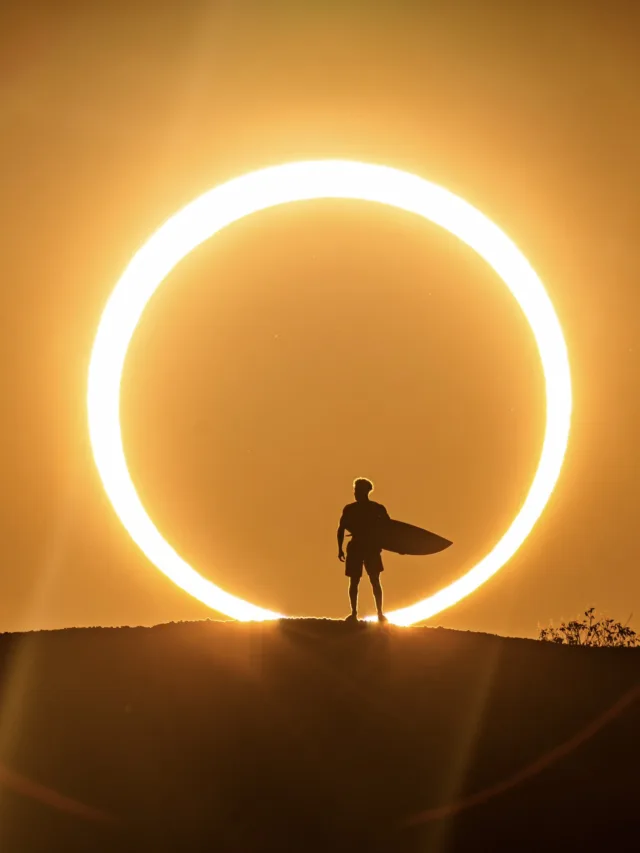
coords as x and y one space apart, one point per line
313 736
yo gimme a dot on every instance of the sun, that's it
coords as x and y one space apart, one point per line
258 191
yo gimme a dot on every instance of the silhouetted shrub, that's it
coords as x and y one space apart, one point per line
591 631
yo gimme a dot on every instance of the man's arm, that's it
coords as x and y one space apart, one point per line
341 529
381 518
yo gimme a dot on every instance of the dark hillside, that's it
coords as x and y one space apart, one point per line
314 736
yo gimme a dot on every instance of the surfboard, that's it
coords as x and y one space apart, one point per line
402 538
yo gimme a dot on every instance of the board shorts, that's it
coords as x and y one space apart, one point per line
359 557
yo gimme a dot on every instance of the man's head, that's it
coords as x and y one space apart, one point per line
361 488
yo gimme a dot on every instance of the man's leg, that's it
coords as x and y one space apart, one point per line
353 570
353 595
377 592
374 567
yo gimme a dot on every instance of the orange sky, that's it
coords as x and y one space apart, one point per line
321 341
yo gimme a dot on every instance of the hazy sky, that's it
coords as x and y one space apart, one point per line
321 341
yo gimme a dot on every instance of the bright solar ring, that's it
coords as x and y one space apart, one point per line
260 190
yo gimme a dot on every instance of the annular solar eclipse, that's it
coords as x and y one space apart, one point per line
251 193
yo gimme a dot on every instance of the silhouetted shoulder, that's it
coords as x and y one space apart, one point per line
346 512
380 508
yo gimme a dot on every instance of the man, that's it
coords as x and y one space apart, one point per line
363 520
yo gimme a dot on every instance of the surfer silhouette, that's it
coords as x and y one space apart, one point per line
362 519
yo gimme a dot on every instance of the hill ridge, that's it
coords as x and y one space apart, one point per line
314 735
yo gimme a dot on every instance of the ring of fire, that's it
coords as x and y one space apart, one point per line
279 185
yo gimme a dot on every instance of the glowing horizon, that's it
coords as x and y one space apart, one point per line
267 188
